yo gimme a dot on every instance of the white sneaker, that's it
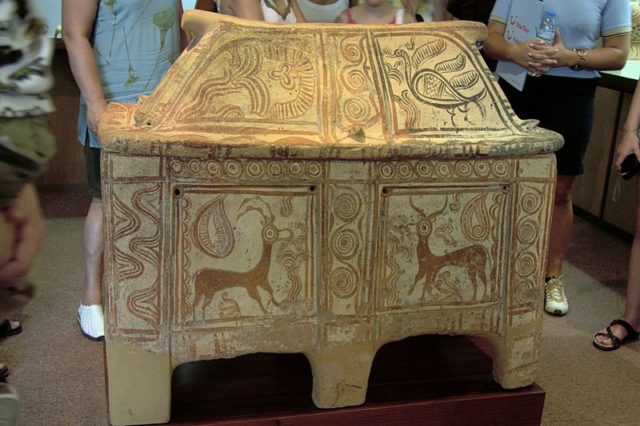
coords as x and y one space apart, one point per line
91 321
555 301
9 405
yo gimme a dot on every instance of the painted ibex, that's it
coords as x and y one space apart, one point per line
473 257
208 282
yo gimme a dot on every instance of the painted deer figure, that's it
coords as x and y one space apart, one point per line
208 282
473 257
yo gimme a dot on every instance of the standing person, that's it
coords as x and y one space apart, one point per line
274 11
322 10
375 12
118 50
560 93
26 145
625 329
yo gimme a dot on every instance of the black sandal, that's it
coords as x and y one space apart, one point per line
616 342
7 330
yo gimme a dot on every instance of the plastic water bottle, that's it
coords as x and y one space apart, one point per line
546 31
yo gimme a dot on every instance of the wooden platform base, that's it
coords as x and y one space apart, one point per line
432 380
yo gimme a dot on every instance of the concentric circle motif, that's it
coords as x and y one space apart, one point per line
386 171
344 244
500 168
444 170
424 228
233 168
526 264
481 168
463 168
194 166
255 169
269 233
346 207
275 168
405 170
213 168
423 169
314 169
343 282
176 167
295 169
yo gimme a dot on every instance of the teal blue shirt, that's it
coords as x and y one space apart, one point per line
134 43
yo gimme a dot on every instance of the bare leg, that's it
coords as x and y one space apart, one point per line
93 249
562 219
632 302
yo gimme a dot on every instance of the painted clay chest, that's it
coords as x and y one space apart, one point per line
322 189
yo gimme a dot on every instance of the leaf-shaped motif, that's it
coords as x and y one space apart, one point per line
427 51
213 217
452 65
433 86
466 80
475 220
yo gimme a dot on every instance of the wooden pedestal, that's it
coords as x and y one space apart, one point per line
423 380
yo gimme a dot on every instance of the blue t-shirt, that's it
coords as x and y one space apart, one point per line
134 43
581 24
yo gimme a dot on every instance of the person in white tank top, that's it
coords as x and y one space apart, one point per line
322 10
275 11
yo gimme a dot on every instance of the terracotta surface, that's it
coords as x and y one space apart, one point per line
322 189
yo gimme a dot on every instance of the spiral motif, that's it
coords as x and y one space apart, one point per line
531 203
423 168
194 167
356 110
526 264
405 170
275 169
386 171
343 282
255 169
481 168
528 232
347 206
314 169
345 244
233 168
176 167
352 52
295 169
463 168
355 81
500 168
213 168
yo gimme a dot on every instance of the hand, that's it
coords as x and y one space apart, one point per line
534 55
29 231
542 56
94 113
628 144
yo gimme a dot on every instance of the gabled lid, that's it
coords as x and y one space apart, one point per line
253 89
